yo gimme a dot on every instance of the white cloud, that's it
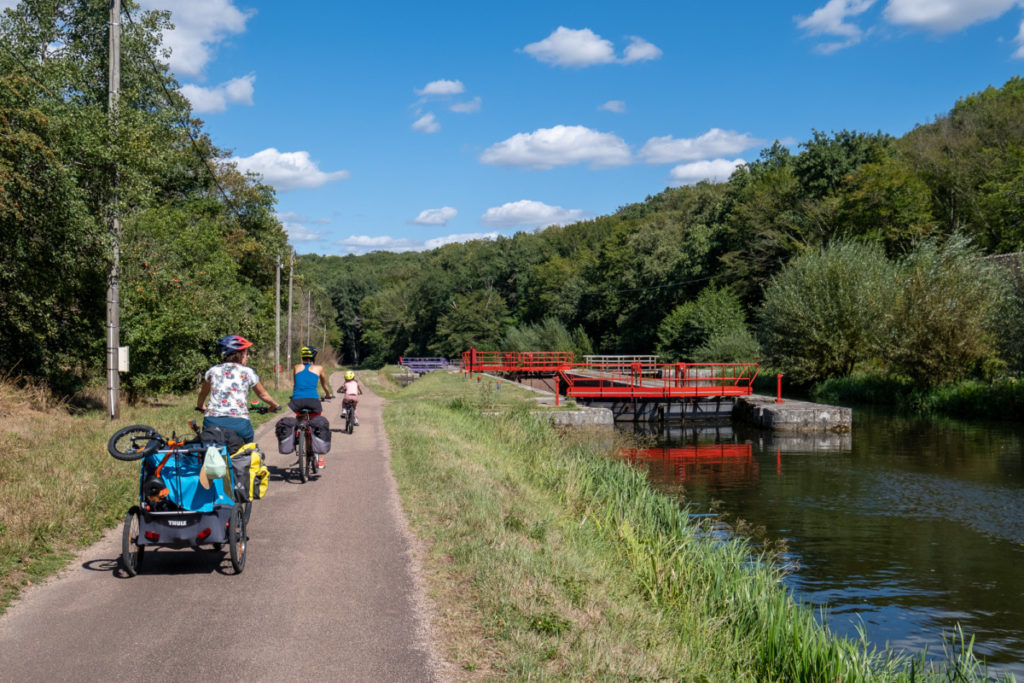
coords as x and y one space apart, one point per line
442 87
831 20
938 16
639 50
8 4
716 170
465 237
528 213
944 16
297 232
470 107
573 48
579 48
217 99
426 124
715 143
361 244
617 106
288 170
365 243
292 217
199 25
435 216
559 146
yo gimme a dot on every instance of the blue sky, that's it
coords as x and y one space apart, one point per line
400 125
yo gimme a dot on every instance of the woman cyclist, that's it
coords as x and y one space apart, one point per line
307 377
305 394
227 385
351 389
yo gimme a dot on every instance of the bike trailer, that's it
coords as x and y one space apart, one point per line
184 512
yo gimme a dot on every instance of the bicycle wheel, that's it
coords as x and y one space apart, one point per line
134 442
131 551
237 540
300 446
311 460
349 420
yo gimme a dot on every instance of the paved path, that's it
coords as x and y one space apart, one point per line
329 593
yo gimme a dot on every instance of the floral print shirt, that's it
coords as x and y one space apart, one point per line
229 390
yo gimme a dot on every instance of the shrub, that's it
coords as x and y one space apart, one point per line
716 314
820 313
736 345
938 328
548 335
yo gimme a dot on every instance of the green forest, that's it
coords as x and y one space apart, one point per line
855 252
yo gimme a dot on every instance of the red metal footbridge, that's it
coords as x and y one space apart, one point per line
619 378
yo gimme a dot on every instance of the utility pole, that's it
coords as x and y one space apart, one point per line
277 323
291 270
114 277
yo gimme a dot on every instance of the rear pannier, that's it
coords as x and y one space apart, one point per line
321 434
285 432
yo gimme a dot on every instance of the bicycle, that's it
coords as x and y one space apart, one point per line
348 411
178 506
307 459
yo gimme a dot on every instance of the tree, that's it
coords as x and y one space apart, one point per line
826 161
642 271
213 229
821 314
937 327
476 319
885 202
690 326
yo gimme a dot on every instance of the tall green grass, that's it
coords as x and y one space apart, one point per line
551 560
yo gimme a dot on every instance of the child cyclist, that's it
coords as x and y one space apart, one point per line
351 390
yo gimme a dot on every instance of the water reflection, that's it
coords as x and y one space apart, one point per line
711 464
906 526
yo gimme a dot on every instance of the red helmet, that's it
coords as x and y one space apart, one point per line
232 342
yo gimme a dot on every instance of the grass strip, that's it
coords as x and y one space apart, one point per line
551 560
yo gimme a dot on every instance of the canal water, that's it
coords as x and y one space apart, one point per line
906 526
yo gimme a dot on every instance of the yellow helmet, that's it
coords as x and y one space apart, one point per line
349 374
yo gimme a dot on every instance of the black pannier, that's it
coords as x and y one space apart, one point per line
321 434
221 435
284 430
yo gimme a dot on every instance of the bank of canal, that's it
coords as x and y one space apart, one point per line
907 525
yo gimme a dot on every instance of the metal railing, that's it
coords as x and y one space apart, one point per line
661 380
516 361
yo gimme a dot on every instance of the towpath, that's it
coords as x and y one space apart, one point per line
330 591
